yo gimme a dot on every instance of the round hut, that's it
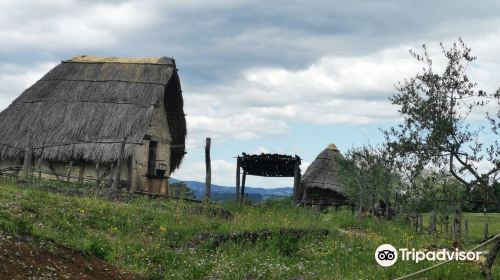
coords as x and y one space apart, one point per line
319 184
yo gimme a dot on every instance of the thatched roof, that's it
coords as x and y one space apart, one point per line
84 107
322 171
269 165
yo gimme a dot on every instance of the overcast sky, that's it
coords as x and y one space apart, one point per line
257 76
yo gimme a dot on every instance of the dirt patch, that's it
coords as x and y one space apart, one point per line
21 259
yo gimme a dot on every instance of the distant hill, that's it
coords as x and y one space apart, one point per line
220 193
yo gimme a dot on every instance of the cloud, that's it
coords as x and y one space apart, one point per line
332 90
253 71
14 79
262 150
223 172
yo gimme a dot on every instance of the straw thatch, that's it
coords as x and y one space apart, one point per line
84 107
269 165
320 177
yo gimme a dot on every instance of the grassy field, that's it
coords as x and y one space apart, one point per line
476 225
160 239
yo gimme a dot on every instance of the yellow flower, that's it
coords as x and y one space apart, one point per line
82 211
163 229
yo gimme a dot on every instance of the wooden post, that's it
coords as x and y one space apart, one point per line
110 179
454 233
458 226
243 181
446 232
419 223
238 179
39 168
296 180
69 171
485 236
116 181
81 172
97 175
432 224
466 228
208 168
28 155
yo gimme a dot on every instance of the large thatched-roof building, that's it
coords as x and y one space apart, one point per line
319 184
82 110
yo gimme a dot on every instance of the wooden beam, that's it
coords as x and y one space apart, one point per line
39 165
98 179
208 168
116 180
81 172
69 171
296 181
238 162
28 156
130 168
110 179
51 168
243 187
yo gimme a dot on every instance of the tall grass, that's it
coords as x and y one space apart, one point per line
154 237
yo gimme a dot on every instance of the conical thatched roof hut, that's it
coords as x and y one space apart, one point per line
82 110
319 183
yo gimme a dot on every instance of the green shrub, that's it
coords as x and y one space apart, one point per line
99 248
286 245
15 225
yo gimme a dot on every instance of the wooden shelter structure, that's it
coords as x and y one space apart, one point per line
266 165
108 119
319 185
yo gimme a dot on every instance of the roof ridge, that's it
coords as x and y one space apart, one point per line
113 59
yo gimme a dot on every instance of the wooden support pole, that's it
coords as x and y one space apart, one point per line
131 174
110 179
296 181
28 156
457 227
454 233
238 179
97 175
208 168
419 223
432 224
81 172
243 181
116 181
39 167
69 171
446 232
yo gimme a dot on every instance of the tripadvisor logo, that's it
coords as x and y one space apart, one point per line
387 255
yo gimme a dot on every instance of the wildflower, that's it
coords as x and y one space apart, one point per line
163 229
81 210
